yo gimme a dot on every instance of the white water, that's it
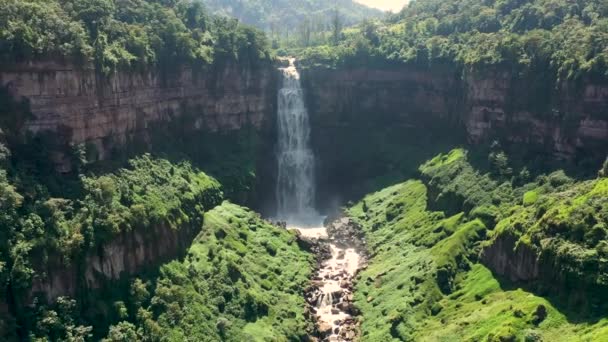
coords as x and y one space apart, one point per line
295 184
334 281
295 202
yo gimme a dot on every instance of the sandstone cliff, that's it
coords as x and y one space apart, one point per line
563 119
376 121
78 105
126 255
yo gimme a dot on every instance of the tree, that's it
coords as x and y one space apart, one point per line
123 332
336 26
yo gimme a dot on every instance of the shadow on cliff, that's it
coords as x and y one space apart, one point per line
572 304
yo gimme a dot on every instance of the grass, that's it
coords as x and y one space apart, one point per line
243 280
424 281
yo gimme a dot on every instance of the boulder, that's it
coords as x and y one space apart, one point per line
325 329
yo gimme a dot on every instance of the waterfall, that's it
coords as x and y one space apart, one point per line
295 183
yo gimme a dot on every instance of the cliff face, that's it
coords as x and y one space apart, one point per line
360 116
564 120
567 120
77 105
126 255
506 258
371 122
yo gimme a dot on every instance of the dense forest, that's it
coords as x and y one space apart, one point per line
568 38
125 34
282 16
454 150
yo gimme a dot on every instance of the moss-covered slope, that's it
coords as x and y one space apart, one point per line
427 282
242 280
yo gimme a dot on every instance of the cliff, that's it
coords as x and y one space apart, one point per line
517 262
372 110
130 253
79 106
566 119
571 117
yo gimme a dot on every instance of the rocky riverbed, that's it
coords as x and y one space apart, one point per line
340 251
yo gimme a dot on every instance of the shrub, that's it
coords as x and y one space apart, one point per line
530 198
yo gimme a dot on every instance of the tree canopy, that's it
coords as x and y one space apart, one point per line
568 37
124 33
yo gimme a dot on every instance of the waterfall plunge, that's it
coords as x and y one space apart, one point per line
295 184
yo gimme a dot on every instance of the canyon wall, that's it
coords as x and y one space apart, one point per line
78 106
75 105
359 115
566 118
371 122
128 254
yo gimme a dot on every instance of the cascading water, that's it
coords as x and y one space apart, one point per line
332 294
295 184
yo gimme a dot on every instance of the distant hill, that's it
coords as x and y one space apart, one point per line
288 14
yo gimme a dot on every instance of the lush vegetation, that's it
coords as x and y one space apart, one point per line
39 230
288 17
124 33
430 240
242 280
563 38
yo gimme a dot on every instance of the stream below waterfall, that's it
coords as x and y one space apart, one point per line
330 296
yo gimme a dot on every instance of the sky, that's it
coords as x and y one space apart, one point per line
394 5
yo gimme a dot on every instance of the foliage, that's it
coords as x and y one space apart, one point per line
124 33
231 286
284 16
425 281
38 231
566 39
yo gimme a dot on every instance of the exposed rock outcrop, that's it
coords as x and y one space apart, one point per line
562 118
373 111
130 253
78 105
518 262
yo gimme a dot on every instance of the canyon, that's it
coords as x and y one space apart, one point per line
355 113
80 106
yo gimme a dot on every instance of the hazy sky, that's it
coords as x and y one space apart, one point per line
394 5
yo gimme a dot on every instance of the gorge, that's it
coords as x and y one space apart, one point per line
441 172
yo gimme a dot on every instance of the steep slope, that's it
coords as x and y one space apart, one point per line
110 227
530 74
242 280
434 248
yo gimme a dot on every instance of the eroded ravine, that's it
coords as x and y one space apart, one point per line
330 296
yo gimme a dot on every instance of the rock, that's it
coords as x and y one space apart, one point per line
335 311
325 329
345 307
